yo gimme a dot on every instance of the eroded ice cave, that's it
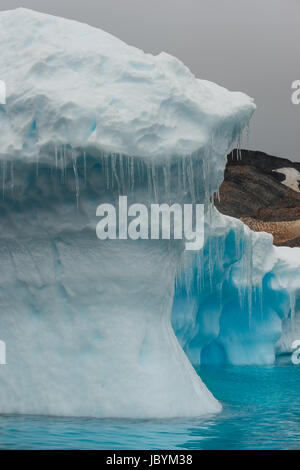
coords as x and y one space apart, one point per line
88 323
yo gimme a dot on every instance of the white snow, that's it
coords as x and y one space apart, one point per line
292 178
83 87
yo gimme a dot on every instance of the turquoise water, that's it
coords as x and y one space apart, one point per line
261 411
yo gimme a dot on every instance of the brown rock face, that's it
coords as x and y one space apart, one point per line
253 192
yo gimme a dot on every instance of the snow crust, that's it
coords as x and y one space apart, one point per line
292 178
69 83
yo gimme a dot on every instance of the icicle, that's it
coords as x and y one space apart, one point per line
64 164
105 171
260 299
149 181
37 166
239 148
3 177
249 260
114 171
183 175
56 160
179 176
154 181
247 135
84 167
74 162
191 179
166 179
122 175
241 296
292 306
131 173
12 183
141 166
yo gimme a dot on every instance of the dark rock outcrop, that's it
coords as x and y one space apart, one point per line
253 191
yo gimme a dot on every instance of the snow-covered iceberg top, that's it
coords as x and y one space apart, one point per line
70 83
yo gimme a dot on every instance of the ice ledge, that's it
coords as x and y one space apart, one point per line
70 83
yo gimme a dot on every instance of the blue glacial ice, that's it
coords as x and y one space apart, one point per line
111 329
237 301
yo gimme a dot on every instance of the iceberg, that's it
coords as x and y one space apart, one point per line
238 301
111 328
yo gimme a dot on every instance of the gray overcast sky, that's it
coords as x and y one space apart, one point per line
247 45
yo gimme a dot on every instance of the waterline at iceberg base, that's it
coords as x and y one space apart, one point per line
111 328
